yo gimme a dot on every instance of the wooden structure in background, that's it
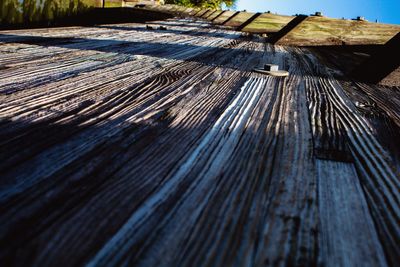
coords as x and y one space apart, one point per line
316 30
215 15
307 30
248 21
223 17
382 67
239 19
268 23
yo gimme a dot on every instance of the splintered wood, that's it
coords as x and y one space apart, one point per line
129 145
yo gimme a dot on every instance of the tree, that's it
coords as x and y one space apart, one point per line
214 4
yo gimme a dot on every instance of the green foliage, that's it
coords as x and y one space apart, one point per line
27 11
214 4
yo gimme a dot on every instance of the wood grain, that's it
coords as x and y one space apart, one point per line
345 215
327 31
215 15
268 23
330 141
223 17
124 145
238 20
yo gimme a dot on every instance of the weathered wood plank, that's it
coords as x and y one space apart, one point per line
239 19
122 145
195 11
329 138
201 12
379 106
290 232
327 31
215 15
296 21
348 234
237 13
208 13
377 171
268 23
223 17
213 213
378 176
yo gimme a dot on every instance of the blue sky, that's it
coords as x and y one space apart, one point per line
385 11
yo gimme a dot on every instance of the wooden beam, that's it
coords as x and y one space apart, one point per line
214 15
223 17
348 236
218 15
268 23
231 17
194 11
329 138
214 11
239 19
207 14
285 30
201 13
315 30
247 22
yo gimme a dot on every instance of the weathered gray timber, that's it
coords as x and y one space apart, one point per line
127 146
